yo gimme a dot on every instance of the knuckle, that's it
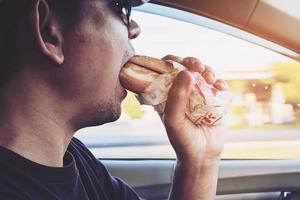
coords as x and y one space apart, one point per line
168 56
191 60
209 77
172 57
208 69
194 64
183 78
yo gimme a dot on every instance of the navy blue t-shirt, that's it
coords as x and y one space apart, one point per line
82 177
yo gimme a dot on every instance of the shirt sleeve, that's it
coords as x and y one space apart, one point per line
113 187
119 190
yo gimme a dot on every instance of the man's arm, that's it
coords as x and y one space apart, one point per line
198 148
195 181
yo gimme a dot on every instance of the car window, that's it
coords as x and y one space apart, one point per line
263 120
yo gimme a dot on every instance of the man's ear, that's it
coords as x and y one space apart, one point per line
47 31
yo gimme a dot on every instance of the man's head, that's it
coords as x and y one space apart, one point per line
74 48
15 12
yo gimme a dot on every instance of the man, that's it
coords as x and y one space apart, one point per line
60 62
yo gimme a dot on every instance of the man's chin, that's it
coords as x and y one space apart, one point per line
111 115
114 117
102 116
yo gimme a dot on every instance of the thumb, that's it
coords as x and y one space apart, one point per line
178 98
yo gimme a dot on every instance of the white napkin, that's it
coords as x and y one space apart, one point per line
209 110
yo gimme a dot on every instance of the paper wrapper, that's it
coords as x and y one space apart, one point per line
203 108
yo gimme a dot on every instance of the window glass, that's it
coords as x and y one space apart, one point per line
263 120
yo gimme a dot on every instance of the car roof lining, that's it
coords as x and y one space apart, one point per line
258 17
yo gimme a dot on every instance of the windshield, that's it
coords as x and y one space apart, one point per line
263 120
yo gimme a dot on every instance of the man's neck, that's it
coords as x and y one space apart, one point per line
33 148
28 126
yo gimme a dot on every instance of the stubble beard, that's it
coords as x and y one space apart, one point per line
99 115
109 113
104 113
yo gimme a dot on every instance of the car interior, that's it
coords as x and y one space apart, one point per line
271 24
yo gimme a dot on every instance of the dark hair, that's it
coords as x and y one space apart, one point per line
11 13
70 11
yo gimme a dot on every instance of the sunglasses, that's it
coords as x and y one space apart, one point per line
123 8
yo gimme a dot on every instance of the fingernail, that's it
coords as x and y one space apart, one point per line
210 77
222 85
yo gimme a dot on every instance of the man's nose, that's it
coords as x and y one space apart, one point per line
133 30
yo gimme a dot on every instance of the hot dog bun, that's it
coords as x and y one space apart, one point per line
157 65
140 71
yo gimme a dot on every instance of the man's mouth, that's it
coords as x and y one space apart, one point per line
128 55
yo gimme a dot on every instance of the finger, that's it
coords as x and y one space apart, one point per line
214 91
209 77
193 64
221 85
174 58
177 99
208 69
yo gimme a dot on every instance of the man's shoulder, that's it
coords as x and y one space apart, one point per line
76 142
81 153
78 147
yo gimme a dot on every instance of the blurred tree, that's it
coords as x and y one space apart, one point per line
262 90
238 85
287 73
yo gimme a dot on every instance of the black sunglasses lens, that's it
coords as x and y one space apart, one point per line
128 6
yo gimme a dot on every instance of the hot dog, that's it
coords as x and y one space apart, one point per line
141 71
139 74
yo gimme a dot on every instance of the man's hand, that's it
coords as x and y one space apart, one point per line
198 148
192 143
